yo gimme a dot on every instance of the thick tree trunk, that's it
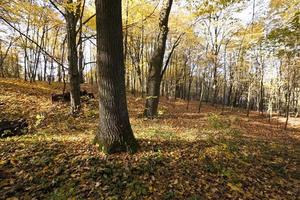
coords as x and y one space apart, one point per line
156 63
127 70
114 133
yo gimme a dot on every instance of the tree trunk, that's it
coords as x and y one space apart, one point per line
214 86
189 91
230 82
45 67
287 112
156 63
114 133
249 99
62 66
270 108
71 20
261 101
127 70
81 62
201 95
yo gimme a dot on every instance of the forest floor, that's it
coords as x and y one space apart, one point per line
183 154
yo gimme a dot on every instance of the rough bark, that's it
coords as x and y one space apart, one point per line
114 133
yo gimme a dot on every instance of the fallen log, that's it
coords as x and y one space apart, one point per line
13 128
65 97
88 94
83 93
91 95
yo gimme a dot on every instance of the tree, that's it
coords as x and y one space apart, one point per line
72 15
115 133
156 63
3 56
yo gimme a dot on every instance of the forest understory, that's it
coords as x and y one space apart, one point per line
182 155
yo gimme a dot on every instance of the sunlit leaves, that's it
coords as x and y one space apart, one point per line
208 7
286 31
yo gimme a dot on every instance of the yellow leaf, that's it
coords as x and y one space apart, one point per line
235 187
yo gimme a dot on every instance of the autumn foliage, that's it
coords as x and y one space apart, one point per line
183 154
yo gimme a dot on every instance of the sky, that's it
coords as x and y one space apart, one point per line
261 7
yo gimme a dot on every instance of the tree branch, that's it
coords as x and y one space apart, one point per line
176 43
150 15
86 21
57 8
91 62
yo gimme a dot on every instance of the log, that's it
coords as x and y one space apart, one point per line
13 128
88 94
66 97
91 95
83 93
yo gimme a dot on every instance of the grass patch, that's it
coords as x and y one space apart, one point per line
164 133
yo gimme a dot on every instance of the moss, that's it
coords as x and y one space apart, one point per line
130 146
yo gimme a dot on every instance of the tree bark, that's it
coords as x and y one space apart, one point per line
156 63
201 95
81 63
114 133
71 20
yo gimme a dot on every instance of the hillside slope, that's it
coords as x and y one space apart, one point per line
183 154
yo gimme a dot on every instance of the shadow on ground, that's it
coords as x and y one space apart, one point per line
222 167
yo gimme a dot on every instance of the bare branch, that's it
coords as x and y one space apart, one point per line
176 43
34 42
57 8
